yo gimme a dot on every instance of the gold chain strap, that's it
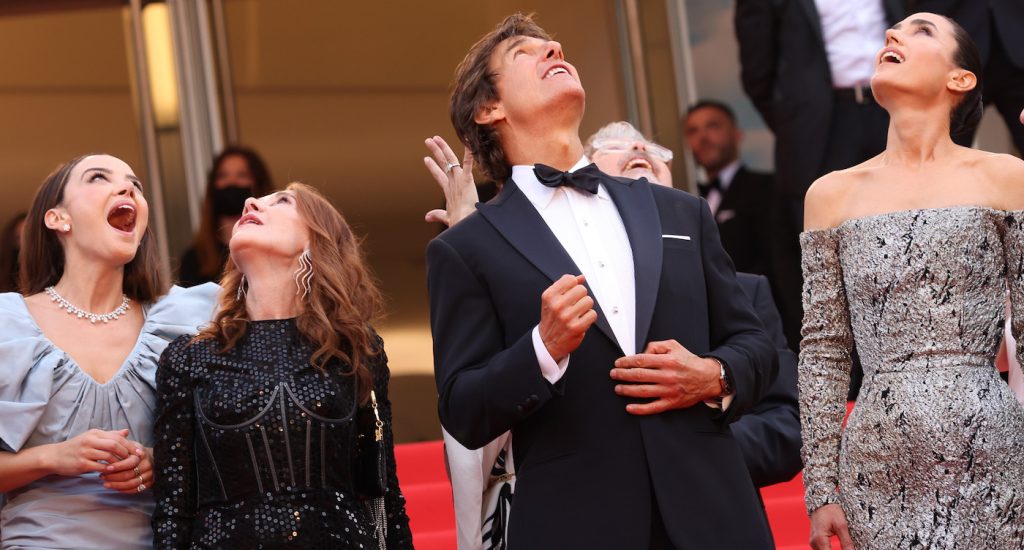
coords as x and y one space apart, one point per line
379 433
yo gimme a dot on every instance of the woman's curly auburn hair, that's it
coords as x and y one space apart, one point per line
342 304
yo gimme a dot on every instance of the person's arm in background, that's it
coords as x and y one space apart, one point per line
769 435
757 33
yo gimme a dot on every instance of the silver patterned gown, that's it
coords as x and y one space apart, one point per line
932 455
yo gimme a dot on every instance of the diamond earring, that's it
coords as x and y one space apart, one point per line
66 227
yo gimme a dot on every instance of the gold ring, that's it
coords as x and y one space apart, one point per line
141 482
137 472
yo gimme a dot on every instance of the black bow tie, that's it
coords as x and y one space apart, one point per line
584 179
705 188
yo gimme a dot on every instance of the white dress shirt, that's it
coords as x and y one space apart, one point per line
591 231
854 31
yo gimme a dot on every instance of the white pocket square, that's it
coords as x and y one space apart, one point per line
680 237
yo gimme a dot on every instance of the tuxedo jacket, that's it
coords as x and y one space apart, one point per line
769 435
589 473
786 74
744 221
984 21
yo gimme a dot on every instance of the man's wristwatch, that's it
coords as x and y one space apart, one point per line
723 379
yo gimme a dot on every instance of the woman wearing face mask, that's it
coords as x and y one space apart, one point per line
909 256
78 356
237 174
257 424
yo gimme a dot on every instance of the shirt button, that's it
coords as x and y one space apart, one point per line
615 310
600 264
586 223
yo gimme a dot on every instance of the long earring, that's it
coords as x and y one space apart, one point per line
242 287
304 274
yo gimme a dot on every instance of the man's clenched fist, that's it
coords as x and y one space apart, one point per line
566 312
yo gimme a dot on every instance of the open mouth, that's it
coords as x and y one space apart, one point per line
249 219
556 70
122 218
890 56
637 163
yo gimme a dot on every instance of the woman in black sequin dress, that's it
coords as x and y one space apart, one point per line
257 415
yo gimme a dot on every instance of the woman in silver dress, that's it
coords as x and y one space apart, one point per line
909 255
77 388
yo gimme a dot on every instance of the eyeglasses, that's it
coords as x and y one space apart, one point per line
618 146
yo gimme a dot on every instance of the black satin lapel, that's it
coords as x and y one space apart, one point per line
643 227
814 17
522 226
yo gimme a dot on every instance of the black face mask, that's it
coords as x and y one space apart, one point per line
229 201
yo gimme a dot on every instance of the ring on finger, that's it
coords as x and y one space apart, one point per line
448 167
140 488
137 472
141 481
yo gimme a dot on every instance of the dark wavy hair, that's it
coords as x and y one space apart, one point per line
343 303
473 89
42 255
966 116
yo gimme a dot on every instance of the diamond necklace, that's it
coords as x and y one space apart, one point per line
82 314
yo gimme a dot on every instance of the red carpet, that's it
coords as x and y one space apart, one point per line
429 501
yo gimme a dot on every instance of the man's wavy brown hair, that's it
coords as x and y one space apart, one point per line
474 90
343 300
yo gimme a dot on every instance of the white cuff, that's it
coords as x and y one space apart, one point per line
726 401
549 369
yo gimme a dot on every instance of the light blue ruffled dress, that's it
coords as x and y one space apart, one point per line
45 398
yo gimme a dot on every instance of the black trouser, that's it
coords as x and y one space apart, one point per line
857 132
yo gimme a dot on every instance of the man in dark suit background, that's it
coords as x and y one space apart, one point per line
740 199
769 435
997 28
538 314
807 65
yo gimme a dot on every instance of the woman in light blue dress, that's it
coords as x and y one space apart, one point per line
78 359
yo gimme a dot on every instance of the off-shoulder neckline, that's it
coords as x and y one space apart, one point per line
128 360
904 212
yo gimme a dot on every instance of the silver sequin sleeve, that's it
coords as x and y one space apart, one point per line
1013 244
824 368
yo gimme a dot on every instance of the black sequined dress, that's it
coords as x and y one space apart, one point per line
254 448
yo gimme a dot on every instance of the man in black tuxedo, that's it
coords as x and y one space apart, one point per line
997 28
540 301
741 200
768 435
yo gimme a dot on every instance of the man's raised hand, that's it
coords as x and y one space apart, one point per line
566 312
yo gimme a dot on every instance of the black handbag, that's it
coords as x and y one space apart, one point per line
371 471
